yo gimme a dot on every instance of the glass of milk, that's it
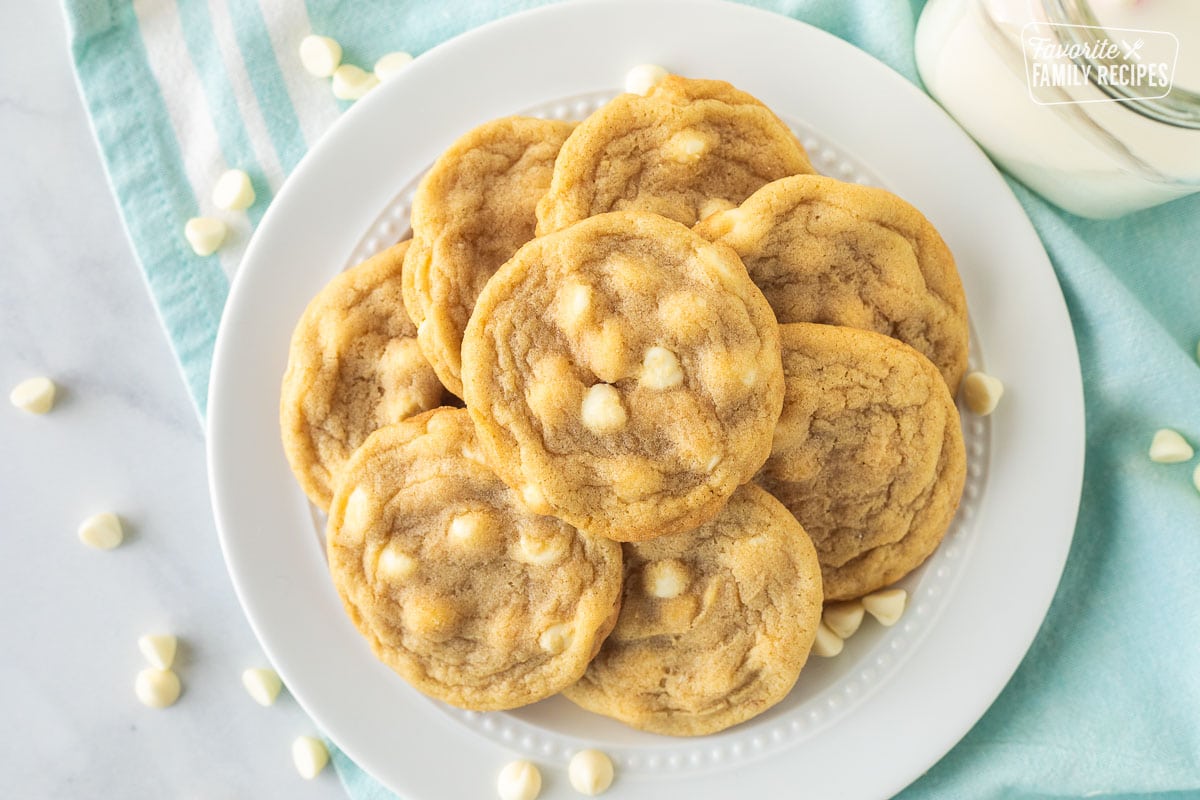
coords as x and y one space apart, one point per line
1095 104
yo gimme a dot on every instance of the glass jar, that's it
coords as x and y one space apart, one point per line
1094 105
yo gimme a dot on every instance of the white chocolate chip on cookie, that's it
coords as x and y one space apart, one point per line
982 392
519 780
843 618
715 205
1169 447
660 369
687 146
473 529
556 638
827 644
534 548
320 55
590 772
886 606
644 77
666 579
35 395
571 305
394 564
602 411
430 616
607 354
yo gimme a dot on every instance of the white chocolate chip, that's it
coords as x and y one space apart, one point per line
827 644
320 55
205 234
714 205
1169 447
660 369
602 411
886 606
310 756
556 638
354 515
540 550
519 780
1196 477
843 619
158 649
157 688
102 531
665 579
352 83
981 392
392 64
35 395
590 772
262 685
233 191
644 77
571 306
534 499
395 564
687 146
469 529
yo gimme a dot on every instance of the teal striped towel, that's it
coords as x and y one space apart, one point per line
1107 702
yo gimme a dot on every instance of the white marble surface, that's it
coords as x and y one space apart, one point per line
124 437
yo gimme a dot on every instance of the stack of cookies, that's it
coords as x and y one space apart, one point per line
706 390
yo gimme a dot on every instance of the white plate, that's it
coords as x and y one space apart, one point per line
862 725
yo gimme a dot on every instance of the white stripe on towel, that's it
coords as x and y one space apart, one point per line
312 99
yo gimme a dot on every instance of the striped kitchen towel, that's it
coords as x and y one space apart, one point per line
1107 702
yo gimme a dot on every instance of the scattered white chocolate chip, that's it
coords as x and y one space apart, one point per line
981 392
519 780
1169 447
665 579
262 685
644 77
556 638
660 369
394 563
686 147
310 756
392 64
233 191
602 411
352 83
827 644
843 618
157 688
886 606
540 550
35 395
102 531
158 649
320 55
205 234
590 772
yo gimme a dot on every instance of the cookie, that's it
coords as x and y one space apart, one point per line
624 375
354 366
868 454
844 254
472 211
470 598
686 149
715 624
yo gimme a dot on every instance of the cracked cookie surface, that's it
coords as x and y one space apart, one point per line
686 149
843 254
624 375
715 624
472 599
354 366
471 212
868 454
